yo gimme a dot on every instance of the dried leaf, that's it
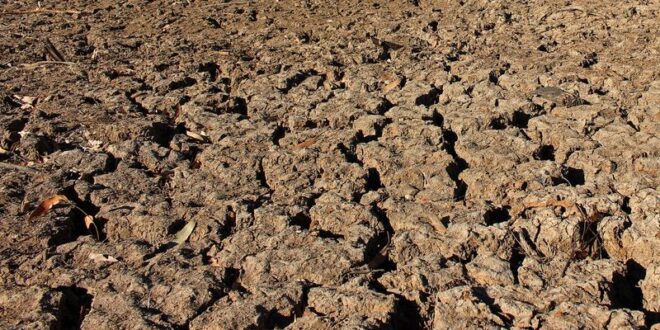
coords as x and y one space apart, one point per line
46 205
25 99
89 223
391 85
195 136
183 234
26 102
98 257
305 143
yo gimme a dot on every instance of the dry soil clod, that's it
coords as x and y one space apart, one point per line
243 161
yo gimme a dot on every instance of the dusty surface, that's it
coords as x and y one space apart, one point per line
454 164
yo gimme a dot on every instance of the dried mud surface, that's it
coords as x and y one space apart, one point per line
389 164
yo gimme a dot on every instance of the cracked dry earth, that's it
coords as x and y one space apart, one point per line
360 164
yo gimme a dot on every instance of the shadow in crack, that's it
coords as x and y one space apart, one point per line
75 304
459 165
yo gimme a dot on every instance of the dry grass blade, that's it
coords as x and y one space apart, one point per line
40 11
570 8
52 52
46 205
183 234
98 257
36 64
525 243
89 223
226 4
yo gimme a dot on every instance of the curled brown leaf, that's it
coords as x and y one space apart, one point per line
46 205
89 223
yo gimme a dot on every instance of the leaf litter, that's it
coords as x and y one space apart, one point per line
182 235
89 223
99 257
46 205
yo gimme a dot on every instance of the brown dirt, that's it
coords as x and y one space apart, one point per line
368 164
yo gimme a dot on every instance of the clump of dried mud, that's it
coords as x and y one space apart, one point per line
368 164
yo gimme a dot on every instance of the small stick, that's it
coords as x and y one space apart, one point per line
39 11
225 4
17 167
36 64
53 52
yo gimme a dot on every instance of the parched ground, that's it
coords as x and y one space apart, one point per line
349 164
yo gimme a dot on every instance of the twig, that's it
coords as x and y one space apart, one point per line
40 63
568 264
371 266
17 167
53 52
225 4
40 11
72 66
528 247
571 8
